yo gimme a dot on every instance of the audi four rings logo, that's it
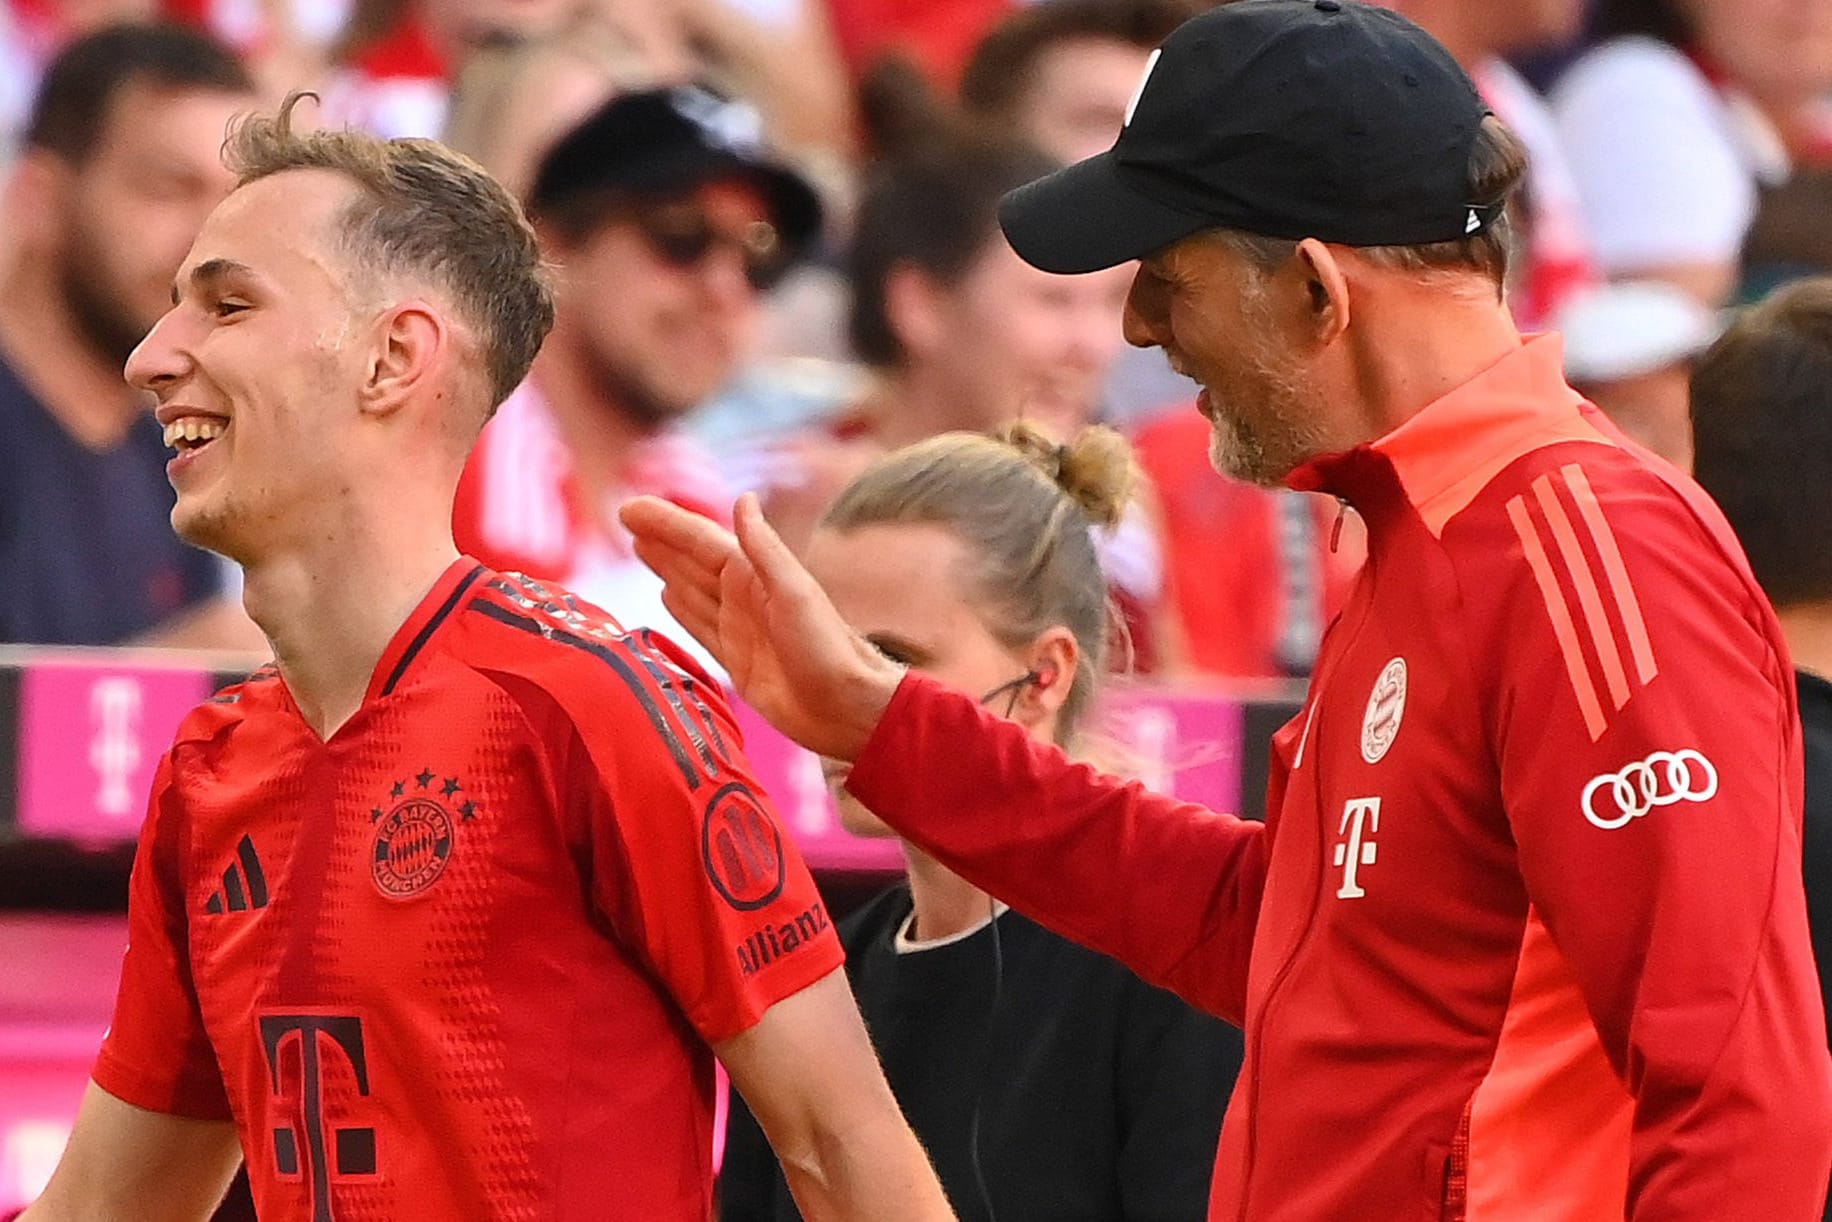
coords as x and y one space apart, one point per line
1663 778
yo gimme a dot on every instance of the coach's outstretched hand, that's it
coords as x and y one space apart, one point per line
750 602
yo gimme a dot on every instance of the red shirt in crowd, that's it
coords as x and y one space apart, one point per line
1253 574
1524 935
464 959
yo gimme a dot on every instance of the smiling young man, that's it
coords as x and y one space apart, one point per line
442 914
1523 935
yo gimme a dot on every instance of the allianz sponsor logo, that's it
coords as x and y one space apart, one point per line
1615 799
772 942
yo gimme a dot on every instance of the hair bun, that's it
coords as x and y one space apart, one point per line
1096 469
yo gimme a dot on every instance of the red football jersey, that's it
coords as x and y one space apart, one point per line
464 959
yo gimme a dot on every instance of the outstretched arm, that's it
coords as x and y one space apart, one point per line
1169 889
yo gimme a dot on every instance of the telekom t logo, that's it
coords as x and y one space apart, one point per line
114 748
316 1035
1360 821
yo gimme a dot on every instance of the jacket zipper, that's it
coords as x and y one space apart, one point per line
1319 687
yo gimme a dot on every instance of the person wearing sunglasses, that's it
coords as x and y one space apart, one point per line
1047 1082
667 220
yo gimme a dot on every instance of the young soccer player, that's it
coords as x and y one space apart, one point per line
441 914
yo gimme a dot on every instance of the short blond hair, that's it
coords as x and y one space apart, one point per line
426 211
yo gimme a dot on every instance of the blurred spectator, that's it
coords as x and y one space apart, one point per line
1556 260
1762 412
668 222
1048 1083
1789 238
398 57
32 32
1060 73
395 59
934 36
961 334
119 168
1677 118
1629 349
514 99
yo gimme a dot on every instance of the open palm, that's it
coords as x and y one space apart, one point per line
750 602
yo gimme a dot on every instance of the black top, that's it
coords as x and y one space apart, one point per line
86 539
1098 1096
1816 727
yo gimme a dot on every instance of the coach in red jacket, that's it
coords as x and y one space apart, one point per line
1523 936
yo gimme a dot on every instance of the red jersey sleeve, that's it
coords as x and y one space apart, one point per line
1650 765
688 860
156 1054
1170 889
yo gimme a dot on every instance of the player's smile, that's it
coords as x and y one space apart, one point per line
189 432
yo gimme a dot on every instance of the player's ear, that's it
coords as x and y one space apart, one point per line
410 345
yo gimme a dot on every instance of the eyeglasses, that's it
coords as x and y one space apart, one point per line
684 237
1015 688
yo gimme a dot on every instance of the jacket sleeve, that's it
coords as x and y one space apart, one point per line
1649 753
1170 889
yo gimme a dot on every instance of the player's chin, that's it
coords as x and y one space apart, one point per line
201 520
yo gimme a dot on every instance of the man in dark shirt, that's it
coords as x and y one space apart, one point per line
1762 425
119 167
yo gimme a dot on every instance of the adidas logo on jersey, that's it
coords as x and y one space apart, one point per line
244 885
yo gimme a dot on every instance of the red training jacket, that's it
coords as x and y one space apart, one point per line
1524 935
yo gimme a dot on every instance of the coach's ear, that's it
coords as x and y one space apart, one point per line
412 343
1327 287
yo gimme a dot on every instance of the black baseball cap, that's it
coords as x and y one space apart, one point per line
1328 119
659 141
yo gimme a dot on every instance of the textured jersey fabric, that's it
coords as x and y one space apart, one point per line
463 959
1524 935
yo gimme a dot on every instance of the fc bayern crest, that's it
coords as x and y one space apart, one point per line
414 837
1386 705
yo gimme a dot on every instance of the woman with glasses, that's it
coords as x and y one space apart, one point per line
1046 1081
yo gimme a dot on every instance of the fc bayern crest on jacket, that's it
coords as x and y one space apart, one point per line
1386 705
416 832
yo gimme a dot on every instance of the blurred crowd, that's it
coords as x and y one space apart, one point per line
772 226
773 230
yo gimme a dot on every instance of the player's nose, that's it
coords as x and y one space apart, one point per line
159 359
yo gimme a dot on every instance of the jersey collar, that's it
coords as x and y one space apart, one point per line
410 640
1456 436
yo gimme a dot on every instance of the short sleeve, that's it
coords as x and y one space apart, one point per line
1658 170
689 862
156 1054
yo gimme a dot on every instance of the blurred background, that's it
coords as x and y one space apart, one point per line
854 296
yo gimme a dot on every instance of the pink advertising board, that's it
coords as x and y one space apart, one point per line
91 733
1187 744
89 739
